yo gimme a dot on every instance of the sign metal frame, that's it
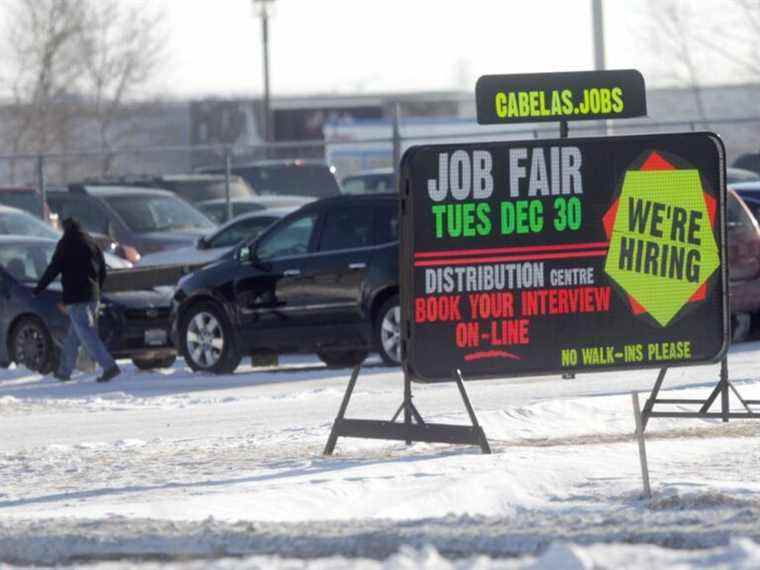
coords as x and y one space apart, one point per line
413 427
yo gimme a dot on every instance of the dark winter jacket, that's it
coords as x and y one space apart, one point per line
80 263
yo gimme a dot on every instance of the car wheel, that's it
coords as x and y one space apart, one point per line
32 346
343 358
388 331
206 340
153 363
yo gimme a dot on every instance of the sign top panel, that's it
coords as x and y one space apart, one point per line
571 96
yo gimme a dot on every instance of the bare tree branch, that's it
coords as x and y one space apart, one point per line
78 69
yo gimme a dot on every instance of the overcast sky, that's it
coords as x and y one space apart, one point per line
349 46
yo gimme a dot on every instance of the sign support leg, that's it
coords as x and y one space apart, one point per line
481 434
407 404
722 389
724 396
642 444
652 398
333 439
413 428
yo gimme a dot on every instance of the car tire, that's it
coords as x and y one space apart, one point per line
153 363
343 358
32 346
388 332
207 340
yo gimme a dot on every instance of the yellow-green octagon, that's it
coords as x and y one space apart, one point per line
662 247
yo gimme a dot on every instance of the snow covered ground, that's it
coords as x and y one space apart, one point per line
183 468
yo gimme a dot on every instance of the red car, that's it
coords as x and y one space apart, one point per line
743 264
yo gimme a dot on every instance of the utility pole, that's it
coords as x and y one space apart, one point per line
597 17
598 24
263 6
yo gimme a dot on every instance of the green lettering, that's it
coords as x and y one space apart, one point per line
556 103
501 104
617 100
524 101
438 211
567 102
512 109
484 226
468 219
535 104
507 218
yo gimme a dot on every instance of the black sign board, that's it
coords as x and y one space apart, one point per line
572 96
563 255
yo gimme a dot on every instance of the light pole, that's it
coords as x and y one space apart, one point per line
597 18
263 12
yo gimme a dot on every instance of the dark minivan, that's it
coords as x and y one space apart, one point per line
146 219
323 279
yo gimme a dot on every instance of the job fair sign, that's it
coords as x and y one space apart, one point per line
563 255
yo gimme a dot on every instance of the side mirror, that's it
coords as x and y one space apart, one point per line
201 243
245 254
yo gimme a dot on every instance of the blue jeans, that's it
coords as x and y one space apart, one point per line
82 330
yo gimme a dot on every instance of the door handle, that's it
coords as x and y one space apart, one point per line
291 273
360 265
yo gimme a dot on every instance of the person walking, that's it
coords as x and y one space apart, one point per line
80 262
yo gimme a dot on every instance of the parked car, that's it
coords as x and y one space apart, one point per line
299 177
743 241
323 279
213 246
133 325
17 222
748 161
29 200
369 182
146 219
749 192
216 210
194 187
734 175
199 187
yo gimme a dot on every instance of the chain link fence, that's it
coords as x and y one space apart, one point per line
349 149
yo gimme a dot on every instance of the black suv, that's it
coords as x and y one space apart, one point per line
296 177
323 279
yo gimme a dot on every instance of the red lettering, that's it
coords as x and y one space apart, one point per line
602 295
419 311
467 335
432 309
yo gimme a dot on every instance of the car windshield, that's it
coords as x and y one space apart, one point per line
153 213
200 190
301 180
23 224
23 200
26 262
